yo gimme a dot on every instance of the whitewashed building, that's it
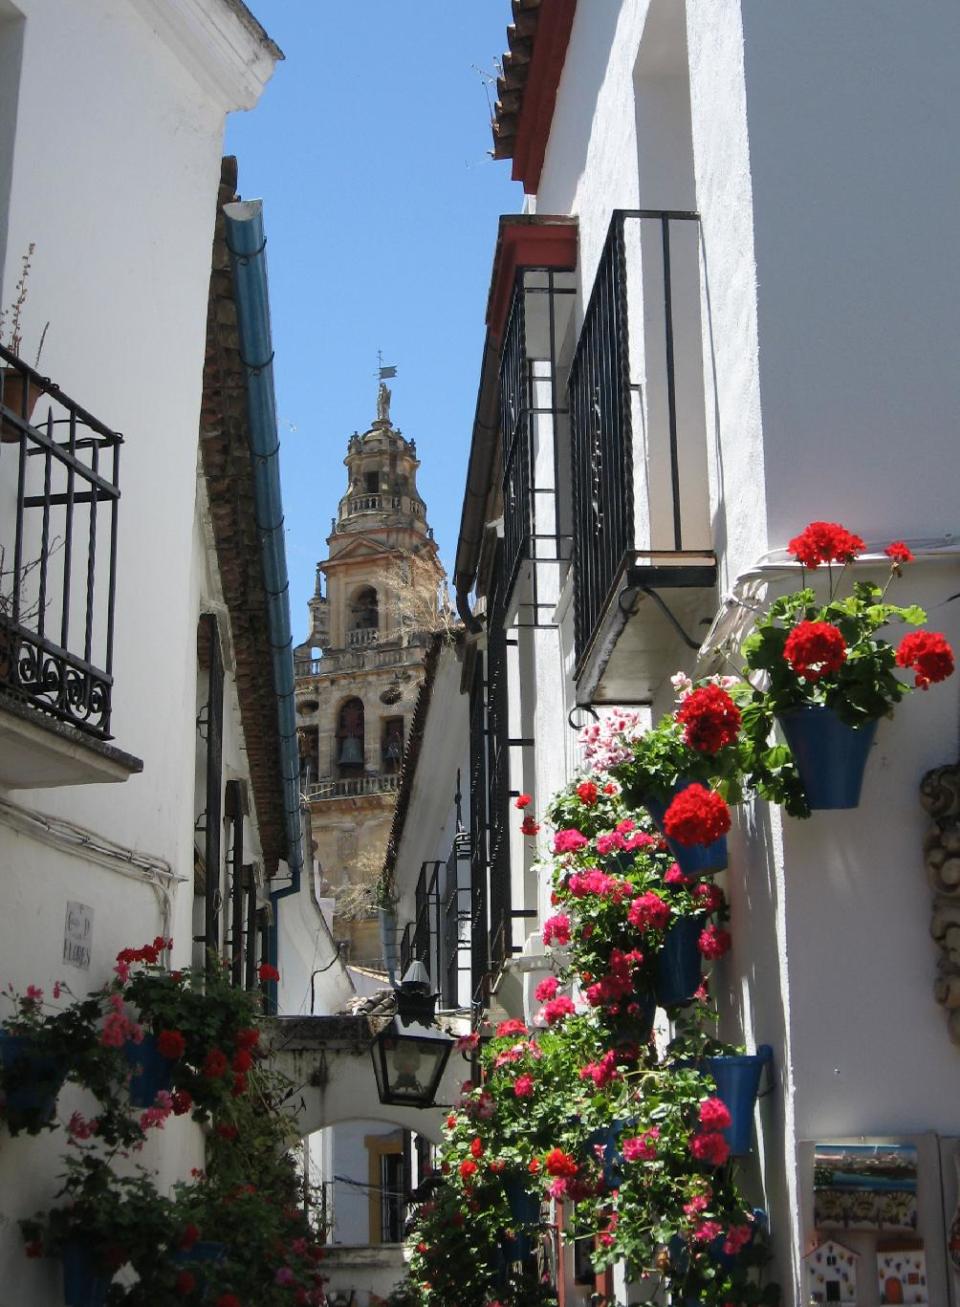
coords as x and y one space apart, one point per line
148 784
728 308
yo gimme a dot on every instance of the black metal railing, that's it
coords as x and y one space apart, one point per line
498 773
59 494
530 414
602 426
514 405
479 946
456 921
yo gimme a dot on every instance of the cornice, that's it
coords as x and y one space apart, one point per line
219 42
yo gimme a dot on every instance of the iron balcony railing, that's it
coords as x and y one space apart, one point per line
601 396
530 419
59 494
354 787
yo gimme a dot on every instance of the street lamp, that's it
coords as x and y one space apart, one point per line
409 1056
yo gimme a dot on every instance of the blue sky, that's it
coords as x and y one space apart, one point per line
370 149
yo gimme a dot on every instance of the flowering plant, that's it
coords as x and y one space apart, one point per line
47 1045
832 654
204 1026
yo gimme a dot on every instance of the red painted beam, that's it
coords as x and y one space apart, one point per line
527 243
540 93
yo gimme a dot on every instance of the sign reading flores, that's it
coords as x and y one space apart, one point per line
78 935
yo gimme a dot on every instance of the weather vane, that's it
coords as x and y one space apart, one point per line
383 393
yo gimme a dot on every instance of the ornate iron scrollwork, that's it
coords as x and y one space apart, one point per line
940 797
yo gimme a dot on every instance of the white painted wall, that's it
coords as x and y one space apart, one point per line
117 130
828 291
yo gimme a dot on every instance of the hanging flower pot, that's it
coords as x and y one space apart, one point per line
692 859
31 1082
200 1258
152 1072
11 396
830 755
737 1077
83 1283
636 1027
679 970
524 1203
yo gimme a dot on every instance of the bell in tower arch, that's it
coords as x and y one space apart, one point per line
350 734
351 752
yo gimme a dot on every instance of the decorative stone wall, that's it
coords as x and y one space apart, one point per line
940 796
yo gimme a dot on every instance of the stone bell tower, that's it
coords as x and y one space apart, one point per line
359 671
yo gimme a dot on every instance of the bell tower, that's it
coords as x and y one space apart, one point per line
377 602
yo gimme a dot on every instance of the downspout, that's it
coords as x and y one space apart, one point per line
246 242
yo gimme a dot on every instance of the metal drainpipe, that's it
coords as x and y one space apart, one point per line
246 242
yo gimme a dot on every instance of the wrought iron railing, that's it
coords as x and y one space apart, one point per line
59 495
530 414
498 772
479 925
354 787
456 922
600 393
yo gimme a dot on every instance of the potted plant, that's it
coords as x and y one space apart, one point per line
105 1222
199 1030
20 390
830 674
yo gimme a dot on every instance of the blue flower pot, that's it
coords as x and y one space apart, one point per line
154 1071
738 1081
612 1159
524 1204
199 1259
679 964
83 1284
32 1082
692 859
830 755
636 1027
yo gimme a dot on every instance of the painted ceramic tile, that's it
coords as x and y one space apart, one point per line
902 1276
865 1187
831 1275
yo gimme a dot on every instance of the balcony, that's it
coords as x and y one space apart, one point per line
363 638
645 573
534 436
353 787
59 497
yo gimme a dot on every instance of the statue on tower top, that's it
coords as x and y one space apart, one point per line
383 394
383 403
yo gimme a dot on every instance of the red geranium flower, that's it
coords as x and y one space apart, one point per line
649 910
227 1131
512 1026
560 1163
248 1038
825 542
529 826
929 656
242 1061
815 650
556 930
182 1102
587 792
708 896
228 1300
268 972
185 1283
171 1044
710 719
714 1114
899 553
696 816
555 1009
569 841
215 1064
714 942
710 1147
523 1087
476 1147
191 1234
547 989
523 801
467 1169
